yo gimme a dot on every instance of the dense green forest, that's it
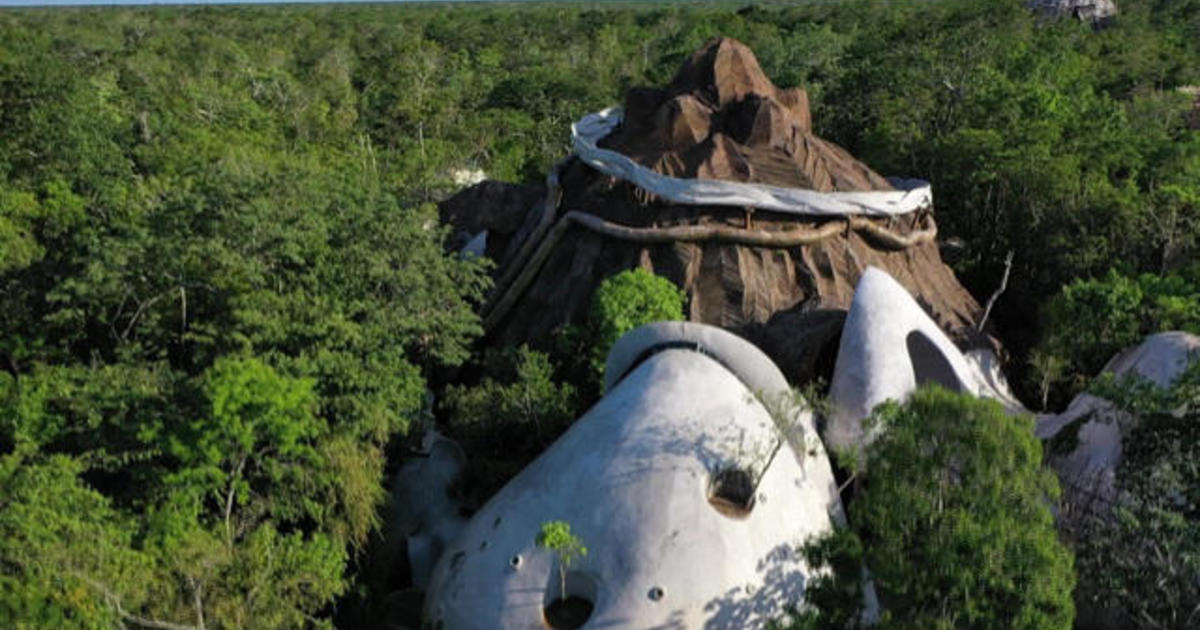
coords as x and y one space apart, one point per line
224 293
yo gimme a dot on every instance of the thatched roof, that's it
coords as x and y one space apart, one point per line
782 280
722 118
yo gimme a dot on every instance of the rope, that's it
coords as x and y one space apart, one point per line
880 236
845 209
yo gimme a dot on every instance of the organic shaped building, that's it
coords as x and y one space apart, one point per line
691 483
889 347
1086 439
718 182
422 510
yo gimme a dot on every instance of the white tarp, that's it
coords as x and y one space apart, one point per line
916 194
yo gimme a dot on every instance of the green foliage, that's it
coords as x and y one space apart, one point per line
18 247
835 599
557 537
63 546
194 203
258 437
177 511
1142 397
1091 320
625 301
1094 318
1141 560
220 294
567 547
506 420
1047 369
518 400
1052 141
952 522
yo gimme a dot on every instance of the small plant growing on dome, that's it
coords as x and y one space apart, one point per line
557 537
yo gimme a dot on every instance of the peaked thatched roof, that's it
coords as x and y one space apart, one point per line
722 118
782 280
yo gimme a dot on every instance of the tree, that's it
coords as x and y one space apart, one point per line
66 554
1139 559
189 200
567 547
518 407
505 421
256 443
624 302
952 522
1091 320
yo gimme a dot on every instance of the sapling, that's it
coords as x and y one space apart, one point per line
557 537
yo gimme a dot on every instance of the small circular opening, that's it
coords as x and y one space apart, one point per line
514 562
656 594
731 492
572 611
569 613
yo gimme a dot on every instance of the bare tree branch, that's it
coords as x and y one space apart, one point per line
142 306
1003 285
127 616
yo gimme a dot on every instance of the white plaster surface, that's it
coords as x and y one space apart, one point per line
911 194
739 356
876 359
477 246
422 511
1086 10
1089 471
631 477
1161 358
985 369
463 177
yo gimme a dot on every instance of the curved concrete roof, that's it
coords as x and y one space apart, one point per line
1160 358
632 478
1089 470
422 512
889 347
739 356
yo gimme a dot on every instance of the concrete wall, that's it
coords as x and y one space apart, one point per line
889 347
632 478
1088 470
422 513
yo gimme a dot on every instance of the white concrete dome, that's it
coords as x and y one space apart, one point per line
889 347
1089 470
422 511
632 477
